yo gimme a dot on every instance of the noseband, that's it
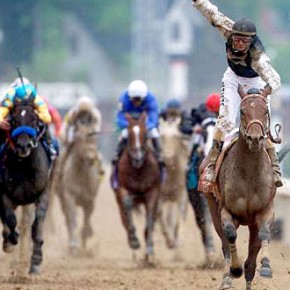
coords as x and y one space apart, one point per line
265 128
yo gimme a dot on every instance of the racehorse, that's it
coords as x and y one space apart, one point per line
245 192
80 179
25 179
138 182
204 122
173 199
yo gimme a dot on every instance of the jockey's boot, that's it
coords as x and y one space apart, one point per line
214 153
158 153
275 166
120 149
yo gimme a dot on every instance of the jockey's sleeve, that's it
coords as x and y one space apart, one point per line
7 104
214 17
42 110
261 64
121 120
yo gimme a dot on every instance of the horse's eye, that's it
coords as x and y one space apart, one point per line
242 113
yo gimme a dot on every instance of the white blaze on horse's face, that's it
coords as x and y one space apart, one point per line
136 130
23 113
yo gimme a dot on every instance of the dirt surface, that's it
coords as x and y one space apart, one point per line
108 263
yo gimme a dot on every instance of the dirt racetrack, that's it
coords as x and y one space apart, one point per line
108 263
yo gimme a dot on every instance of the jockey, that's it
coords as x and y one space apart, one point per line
69 130
135 100
56 120
173 109
201 116
20 92
248 66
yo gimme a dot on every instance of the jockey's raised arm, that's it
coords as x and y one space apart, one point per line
217 19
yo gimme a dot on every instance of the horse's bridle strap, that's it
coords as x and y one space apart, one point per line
253 96
255 121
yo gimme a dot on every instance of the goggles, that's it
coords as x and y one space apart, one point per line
243 39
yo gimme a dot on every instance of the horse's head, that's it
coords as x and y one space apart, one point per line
255 118
24 122
137 139
171 138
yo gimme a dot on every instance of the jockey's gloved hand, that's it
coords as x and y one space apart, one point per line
5 125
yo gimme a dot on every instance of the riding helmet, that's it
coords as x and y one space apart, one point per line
244 27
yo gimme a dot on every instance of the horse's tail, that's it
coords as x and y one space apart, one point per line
283 152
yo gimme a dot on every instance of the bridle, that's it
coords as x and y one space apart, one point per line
265 128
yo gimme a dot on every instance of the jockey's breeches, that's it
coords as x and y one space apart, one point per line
230 100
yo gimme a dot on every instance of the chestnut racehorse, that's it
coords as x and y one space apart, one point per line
246 192
138 182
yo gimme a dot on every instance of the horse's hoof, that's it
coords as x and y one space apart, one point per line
150 260
236 272
249 285
266 272
171 245
227 282
134 243
73 251
34 270
8 247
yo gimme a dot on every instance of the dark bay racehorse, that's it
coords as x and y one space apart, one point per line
25 180
139 182
246 186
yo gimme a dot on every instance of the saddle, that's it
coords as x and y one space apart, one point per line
209 188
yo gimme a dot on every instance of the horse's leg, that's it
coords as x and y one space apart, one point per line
163 207
8 217
202 216
87 230
251 262
69 209
229 228
265 221
125 206
25 223
151 202
177 206
216 219
37 232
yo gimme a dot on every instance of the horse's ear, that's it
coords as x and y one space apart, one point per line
128 117
241 92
